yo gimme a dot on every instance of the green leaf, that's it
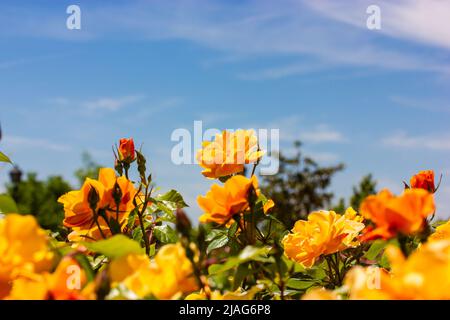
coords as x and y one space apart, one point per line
165 234
249 253
375 249
4 158
152 250
172 200
167 214
7 204
299 284
232 230
218 242
115 247
215 233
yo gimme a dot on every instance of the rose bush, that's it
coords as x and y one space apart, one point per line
126 240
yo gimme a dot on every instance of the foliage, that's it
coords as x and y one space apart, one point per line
4 158
366 187
89 168
129 241
300 186
39 198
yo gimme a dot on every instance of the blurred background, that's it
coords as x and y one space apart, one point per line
360 101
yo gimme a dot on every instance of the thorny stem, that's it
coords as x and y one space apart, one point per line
141 220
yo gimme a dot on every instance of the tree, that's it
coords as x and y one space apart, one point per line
300 186
365 188
89 169
39 198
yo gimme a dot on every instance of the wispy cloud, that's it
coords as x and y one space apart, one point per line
423 21
15 142
330 33
432 104
433 142
321 134
111 104
297 128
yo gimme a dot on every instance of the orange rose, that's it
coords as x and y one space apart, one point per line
126 150
391 215
67 282
221 203
79 215
325 232
24 250
423 180
228 153
423 275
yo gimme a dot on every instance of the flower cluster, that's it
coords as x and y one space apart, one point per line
324 233
90 211
120 239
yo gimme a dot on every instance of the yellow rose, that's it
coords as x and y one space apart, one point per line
168 276
67 282
238 294
324 232
423 275
228 153
221 203
320 294
23 250
442 233
79 215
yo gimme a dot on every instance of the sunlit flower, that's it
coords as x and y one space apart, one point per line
391 215
423 180
238 294
126 150
324 232
228 153
442 233
67 282
221 203
24 250
320 294
78 212
423 275
168 276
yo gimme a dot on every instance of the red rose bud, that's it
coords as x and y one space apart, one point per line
126 150
424 180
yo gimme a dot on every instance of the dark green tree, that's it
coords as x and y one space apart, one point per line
300 186
89 169
39 198
366 187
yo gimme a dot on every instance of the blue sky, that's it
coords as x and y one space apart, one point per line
377 100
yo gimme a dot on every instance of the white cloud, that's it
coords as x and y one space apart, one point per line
432 142
111 104
295 128
321 134
328 33
423 21
431 104
16 142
